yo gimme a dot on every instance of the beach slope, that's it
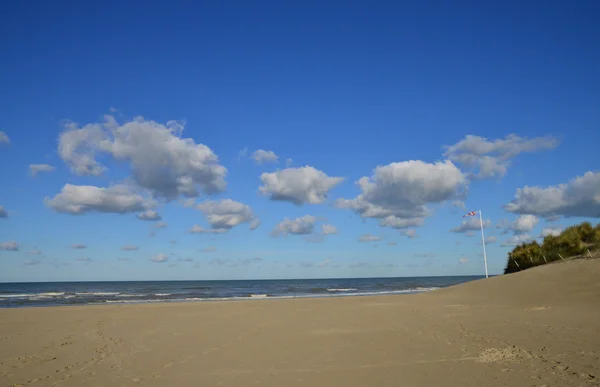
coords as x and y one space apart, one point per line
533 328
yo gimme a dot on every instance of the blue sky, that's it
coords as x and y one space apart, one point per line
436 108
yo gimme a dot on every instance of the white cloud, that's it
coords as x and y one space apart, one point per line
324 263
161 225
209 249
225 214
488 158
289 162
409 233
578 198
463 261
491 239
3 213
159 258
9 246
524 223
298 185
34 169
129 248
329 229
79 199
299 226
254 224
400 223
33 252
369 238
4 138
516 240
78 246
149 215
160 159
554 231
189 202
201 230
472 223
262 156
398 193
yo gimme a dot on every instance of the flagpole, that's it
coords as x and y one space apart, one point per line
483 244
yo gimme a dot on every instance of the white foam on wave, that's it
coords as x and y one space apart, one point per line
17 295
342 290
97 293
258 296
266 297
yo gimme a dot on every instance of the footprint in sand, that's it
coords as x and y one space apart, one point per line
536 308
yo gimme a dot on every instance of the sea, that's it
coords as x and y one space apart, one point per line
35 294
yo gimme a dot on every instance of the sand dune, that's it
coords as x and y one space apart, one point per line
540 327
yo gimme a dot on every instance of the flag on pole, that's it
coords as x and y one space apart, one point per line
472 213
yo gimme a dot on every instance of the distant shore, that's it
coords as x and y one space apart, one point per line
532 328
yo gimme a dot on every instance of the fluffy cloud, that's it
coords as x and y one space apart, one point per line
324 263
3 213
471 224
161 225
149 215
463 261
524 224
299 226
9 246
298 185
160 159
553 231
329 229
516 240
400 223
488 158
578 198
129 248
34 169
159 258
225 214
4 138
78 246
398 193
262 156
369 238
79 199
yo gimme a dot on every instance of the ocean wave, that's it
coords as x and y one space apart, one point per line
342 290
17 295
97 293
131 295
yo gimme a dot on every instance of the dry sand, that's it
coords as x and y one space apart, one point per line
535 328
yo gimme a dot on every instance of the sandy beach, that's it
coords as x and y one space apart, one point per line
540 327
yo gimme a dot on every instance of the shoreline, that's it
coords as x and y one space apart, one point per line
533 328
252 297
